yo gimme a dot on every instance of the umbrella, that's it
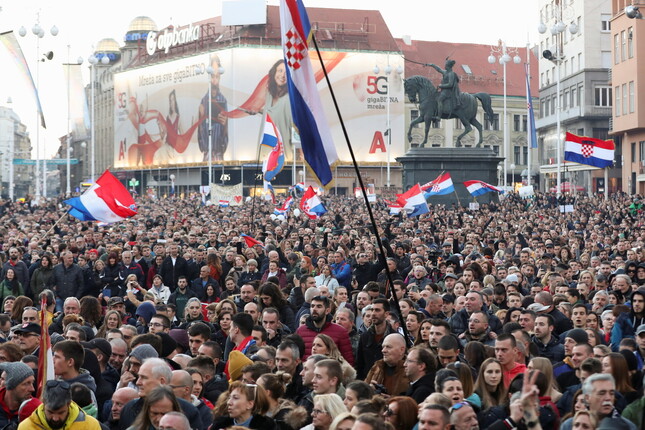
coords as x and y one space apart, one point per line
567 187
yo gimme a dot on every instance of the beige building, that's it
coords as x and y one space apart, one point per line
14 143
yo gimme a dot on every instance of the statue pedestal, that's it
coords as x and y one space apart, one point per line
464 164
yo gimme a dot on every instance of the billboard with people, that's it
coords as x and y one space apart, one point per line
162 111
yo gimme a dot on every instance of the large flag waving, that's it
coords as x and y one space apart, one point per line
106 201
10 42
275 160
45 355
590 151
477 188
442 185
529 105
413 201
311 204
306 107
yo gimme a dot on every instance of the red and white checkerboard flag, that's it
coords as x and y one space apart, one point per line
588 150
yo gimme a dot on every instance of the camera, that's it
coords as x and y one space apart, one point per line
380 389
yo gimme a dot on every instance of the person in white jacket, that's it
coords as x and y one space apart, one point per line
160 291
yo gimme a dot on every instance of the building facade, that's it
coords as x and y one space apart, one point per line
14 143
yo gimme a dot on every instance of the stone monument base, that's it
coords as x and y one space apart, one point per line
464 164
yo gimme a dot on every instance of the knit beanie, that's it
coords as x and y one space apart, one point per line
144 351
181 337
579 335
17 372
168 344
236 361
147 311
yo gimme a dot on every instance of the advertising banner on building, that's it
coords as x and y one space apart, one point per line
162 111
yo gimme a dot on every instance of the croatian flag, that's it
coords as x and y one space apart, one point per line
413 201
45 356
311 204
285 207
395 208
529 105
306 107
439 187
106 201
269 192
477 188
587 150
250 242
275 160
224 203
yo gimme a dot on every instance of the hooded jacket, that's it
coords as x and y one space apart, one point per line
76 420
553 350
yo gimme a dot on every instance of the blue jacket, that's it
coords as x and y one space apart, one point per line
343 273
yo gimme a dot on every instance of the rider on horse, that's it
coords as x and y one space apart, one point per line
449 96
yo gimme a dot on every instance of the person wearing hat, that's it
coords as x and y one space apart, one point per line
562 323
572 338
103 351
18 387
640 342
58 411
29 338
135 360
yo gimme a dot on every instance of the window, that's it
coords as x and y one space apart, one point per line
602 96
565 100
517 123
605 23
525 154
623 45
630 42
544 108
624 99
641 145
496 149
553 105
631 97
574 95
495 125
617 105
580 101
633 152
524 121
517 155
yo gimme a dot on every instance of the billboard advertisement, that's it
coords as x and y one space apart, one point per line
162 112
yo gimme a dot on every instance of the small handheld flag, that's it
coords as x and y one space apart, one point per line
275 160
442 185
250 242
413 201
477 188
311 204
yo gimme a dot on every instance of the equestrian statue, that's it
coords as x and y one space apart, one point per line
447 103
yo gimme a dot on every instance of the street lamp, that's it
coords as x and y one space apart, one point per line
388 131
557 56
94 60
500 53
512 166
39 32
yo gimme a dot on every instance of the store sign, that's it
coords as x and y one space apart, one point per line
168 39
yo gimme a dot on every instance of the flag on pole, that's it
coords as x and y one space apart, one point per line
588 150
250 242
311 204
275 160
306 107
45 355
413 201
529 105
285 207
442 185
477 188
10 42
107 200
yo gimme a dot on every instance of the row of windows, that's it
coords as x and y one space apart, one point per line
569 98
624 98
519 122
641 148
623 45
568 67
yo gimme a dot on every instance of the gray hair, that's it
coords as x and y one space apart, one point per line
311 293
365 309
601 293
606 313
160 368
184 424
349 313
56 397
587 387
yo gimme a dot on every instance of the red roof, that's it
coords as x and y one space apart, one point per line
484 77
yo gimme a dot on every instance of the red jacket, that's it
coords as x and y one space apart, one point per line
338 334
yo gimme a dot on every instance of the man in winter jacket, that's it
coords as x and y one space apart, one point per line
548 345
18 387
370 344
68 358
474 303
68 279
319 321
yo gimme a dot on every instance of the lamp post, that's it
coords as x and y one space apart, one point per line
557 56
93 60
500 53
512 166
12 149
388 131
39 32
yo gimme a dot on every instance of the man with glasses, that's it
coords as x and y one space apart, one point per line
420 366
29 338
463 417
159 324
129 332
58 411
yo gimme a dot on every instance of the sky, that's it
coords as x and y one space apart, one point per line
83 23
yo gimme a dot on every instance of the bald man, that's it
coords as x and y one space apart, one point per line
389 371
182 385
174 421
119 399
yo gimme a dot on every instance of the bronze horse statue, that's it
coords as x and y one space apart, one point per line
419 87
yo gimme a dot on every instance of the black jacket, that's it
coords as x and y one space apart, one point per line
422 388
553 350
258 422
369 351
171 273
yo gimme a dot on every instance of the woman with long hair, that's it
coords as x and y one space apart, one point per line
413 324
424 333
224 320
489 385
110 277
271 297
163 400
210 295
214 262
111 321
512 315
18 307
357 391
325 345
401 412
155 267
91 311
327 278
246 407
577 405
465 375
321 262
198 385
476 353
43 277
239 264
10 286
545 366
615 365
287 415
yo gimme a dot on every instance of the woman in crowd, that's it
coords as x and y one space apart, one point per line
424 333
324 345
91 311
198 385
512 315
271 297
448 384
210 295
215 264
577 405
275 270
10 286
19 305
357 391
401 412
608 319
159 290
110 276
327 278
546 368
326 407
615 365
239 264
344 421
111 321
43 276
341 299
489 385
251 273
246 407
224 320
406 305
155 267
230 288
158 401
465 375
193 312
286 414
413 324
459 289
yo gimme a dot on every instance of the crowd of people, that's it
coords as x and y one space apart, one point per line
515 315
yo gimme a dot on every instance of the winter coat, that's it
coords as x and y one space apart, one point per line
396 383
369 350
459 321
338 334
76 420
68 281
343 273
281 275
553 350
43 278
258 422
